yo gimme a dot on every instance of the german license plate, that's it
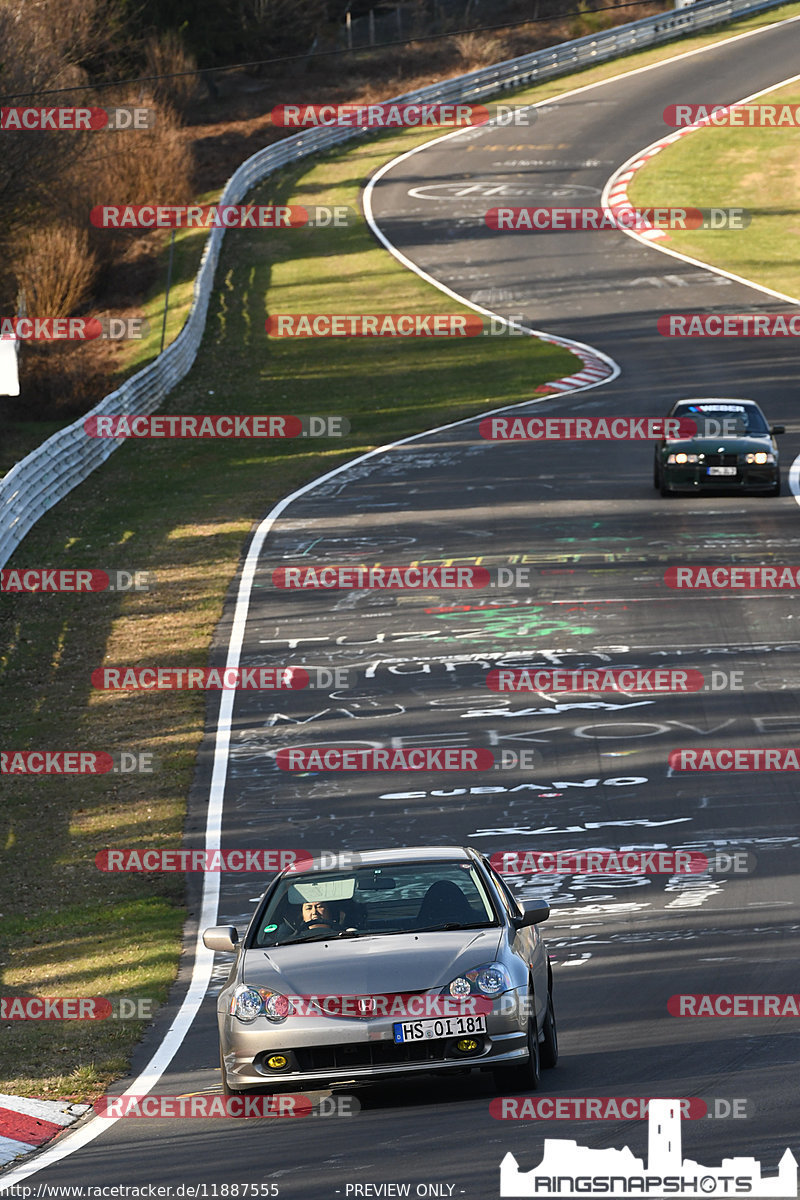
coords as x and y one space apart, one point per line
439 1027
722 470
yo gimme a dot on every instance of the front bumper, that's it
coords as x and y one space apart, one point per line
693 478
324 1050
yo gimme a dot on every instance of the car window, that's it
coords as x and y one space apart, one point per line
390 899
510 904
748 419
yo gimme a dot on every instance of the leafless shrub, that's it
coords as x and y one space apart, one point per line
55 269
166 55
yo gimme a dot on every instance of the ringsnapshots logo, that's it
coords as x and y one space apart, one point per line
752 115
568 1171
76 120
620 217
224 426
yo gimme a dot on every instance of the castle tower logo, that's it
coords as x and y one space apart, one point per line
569 1170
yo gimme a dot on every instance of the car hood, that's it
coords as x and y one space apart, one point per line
722 445
371 965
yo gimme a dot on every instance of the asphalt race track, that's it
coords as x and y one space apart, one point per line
584 520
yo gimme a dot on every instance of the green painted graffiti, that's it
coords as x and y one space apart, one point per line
516 622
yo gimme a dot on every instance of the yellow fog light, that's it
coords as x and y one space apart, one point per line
467 1045
277 1062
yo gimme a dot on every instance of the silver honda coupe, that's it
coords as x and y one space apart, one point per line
404 963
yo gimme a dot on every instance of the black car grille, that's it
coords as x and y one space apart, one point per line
368 1054
722 460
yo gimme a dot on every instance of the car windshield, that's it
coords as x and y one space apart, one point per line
720 419
391 899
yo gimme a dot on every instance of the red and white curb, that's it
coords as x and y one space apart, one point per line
25 1125
616 189
595 370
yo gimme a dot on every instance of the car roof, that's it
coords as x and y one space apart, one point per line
406 854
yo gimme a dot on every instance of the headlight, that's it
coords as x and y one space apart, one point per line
489 980
247 1003
761 457
682 458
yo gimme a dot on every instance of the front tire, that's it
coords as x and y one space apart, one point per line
548 1049
525 1076
664 487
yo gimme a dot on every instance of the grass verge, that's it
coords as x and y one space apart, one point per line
737 167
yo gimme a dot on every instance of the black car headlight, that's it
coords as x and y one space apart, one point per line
681 458
248 1003
761 457
490 980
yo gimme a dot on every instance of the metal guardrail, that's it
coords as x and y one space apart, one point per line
67 458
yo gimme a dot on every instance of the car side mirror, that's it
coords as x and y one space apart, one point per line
534 912
221 937
777 429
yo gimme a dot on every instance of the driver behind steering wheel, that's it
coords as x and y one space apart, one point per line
318 916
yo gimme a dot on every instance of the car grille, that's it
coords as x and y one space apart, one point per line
368 1054
722 460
